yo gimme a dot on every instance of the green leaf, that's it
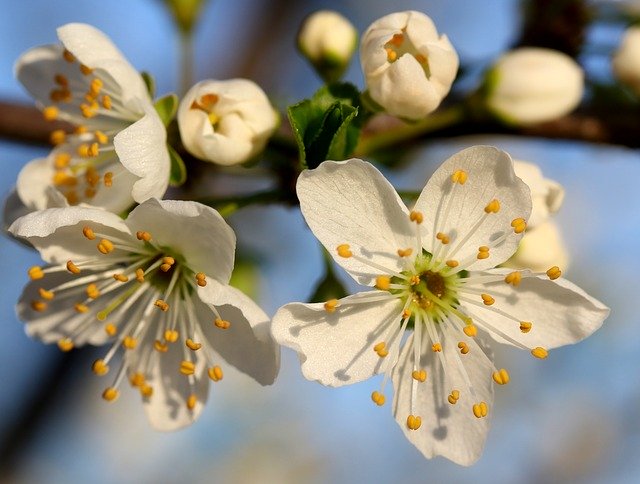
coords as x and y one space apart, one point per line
178 173
150 82
166 107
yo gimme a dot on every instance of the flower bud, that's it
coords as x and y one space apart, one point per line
533 85
546 195
328 40
226 122
626 60
540 248
408 67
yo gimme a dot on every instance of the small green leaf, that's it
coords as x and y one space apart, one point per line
166 107
178 173
345 138
150 82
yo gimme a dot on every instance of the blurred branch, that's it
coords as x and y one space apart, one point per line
25 123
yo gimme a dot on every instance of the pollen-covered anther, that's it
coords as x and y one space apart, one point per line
140 275
92 291
146 391
480 410
65 344
88 233
106 101
405 252
143 235
99 367
137 379
162 305
222 324
554 272
414 422
105 246
57 137
110 329
487 299
459 176
464 347
415 280
201 279
167 263
406 313
519 225
171 335
192 345
392 55
539 352
381 349
129 343
416 216
422 59
452 263
331 305
514 278
39 306
492 207
61 161
101 138
85 70
344 250
453 397
64 179
108 179
191 402
110 394
71 267
35 273
120 277
378 398
483 252
81 308
44 294
501 377
50 113
215 373
525 326
470 330
383 283
187 367
444 238
160 346
436 347
419 375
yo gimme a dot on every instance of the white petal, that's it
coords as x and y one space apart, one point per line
13 209
194 230
142 150
33 181
336 348
57 232
448 430
490 176
350 202
561 312
247 344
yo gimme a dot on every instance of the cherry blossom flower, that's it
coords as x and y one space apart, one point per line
116 154
156 286
436 294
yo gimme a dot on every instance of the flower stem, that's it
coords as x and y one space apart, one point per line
186 60
229 205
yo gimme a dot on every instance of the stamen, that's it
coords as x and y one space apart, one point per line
100 368
110 394
519 225
453 397
414 422
68 56
192 345
187 367
65 344
483 252
492 207
162 305
201 279
416 216
110 329
50 113
106 102
501 377
142 235
92 291
121 277
539 352
160 346
88 233
191 402
129 342
464 347
171 335
105 246
444 238
436 347
35 273
419 375
513 278
378 398
525 326
331 305
102 138
140 275
61 161
452 263
215 373
57 137
108 179
405 252
381 349
85 69
554 272
44 294
487 299
344 250
383 283
480 409
81 308
39 306
137 380
459 176
222 324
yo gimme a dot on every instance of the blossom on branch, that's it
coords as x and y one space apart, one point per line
626 60
436 294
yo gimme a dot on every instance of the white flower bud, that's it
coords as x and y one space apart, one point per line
626 60
226 122
533 85
408 67
540 248
546 195
328 40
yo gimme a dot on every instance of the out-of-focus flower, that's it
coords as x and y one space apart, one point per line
408 67
546 195
117 153
626 60
328 40
161 296
541 247
532 85
433 270
226 122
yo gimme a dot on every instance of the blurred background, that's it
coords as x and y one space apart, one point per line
570 418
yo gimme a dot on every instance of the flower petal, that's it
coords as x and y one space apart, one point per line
490 176
33 181
350 202
194 230
247 343
336 348
448 430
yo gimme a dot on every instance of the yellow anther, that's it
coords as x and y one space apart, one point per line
470 330
416 216
222 324
397 40
61 80
108 179
39 306
192 345
344 250
331 305
492 207
102 138
378 398
383 283
142 235
68 56
436 347
165 267
44 294
71 267
57 136
208 100
85 69
168 260
63 179
61 161
392 55
160 346
452 263
81 308
92 291
65 344
120 277
444 238
414 422
464 347
86 111
80 129
105 246
480 410
406 313
137 379
453 397
213 118
215 373
483 248
146 391
459 176
513 278
201 279
88 233
525 326
483 252
95 86
487 299
539 352
405 252
140 275
191 402
35 273
554 272
171 335
519 225
110 329
60 95
72 197
50 113
415 280
501 377
419 375
129 343
162 305
92 176
106 101
110 394
187 367
381 349
100 368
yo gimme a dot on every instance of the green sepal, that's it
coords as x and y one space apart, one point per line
178 172
166 107
150 82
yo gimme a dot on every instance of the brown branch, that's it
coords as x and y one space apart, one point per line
25 123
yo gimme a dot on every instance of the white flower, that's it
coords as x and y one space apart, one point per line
531 85
626 60
226 122
546 195
541 247
117 153
408 67
156 285
433 273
